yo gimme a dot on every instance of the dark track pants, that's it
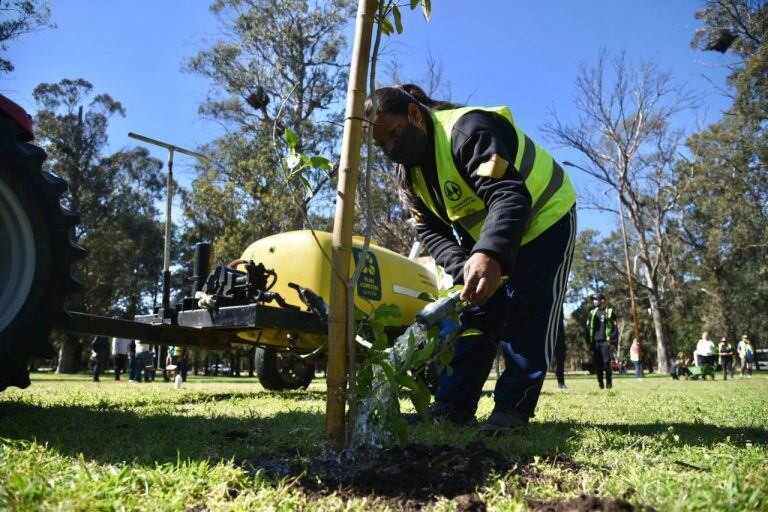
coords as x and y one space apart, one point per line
601 357
524 316
560 352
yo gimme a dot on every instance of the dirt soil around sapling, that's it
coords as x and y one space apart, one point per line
409 478
586 503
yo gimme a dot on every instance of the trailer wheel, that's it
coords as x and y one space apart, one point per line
279 370
36 256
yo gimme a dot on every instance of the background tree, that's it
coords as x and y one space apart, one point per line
725 183
18 17
625 136
115 196
272 57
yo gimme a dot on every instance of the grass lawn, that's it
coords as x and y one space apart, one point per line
69 444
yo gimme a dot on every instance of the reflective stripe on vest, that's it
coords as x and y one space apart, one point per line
550 187
608 324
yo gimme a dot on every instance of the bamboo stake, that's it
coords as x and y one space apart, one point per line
349 169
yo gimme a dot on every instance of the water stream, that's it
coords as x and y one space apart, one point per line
377 411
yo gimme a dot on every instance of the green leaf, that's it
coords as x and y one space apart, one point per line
307 187
400 428
420 398
426 8
386 26
471 332
409 352
320 162
398 20
387 310
425 353
407 382
389 372
451 290
426 297
291 138
414 3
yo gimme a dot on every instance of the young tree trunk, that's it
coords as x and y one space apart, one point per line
349 168
69 354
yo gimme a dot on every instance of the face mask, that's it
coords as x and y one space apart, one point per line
409 147
595 303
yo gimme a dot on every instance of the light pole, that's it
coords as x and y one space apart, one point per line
626 253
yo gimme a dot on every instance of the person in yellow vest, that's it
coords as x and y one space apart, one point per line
487 202
603 335
725 351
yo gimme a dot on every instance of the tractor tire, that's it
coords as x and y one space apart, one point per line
36 256
280 371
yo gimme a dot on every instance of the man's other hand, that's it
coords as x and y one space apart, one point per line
482 276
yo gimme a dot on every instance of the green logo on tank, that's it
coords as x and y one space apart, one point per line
369 284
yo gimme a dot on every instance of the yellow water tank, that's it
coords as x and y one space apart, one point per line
387 278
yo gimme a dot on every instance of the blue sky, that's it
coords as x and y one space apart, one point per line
525 54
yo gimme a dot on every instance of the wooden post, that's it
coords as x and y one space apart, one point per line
349 169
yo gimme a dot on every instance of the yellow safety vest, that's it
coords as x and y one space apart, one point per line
608 323
550 187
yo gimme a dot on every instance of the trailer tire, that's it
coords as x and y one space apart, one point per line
280 370
35 272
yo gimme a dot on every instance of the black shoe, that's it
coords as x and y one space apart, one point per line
504 419
609 386
444 411
601 385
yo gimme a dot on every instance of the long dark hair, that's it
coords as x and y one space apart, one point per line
395 100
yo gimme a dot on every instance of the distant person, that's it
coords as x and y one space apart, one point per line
120 350
99 355
679 367
132 366
725 351
603 333
143 360
636 356
705 352
177 356
746 356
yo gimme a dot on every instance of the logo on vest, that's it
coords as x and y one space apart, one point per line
452 191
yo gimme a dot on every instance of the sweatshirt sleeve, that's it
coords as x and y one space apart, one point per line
440 242
484 149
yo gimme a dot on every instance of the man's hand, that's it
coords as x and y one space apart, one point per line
482 276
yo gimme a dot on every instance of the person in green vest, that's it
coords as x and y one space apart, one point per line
725 351
603 333
487 202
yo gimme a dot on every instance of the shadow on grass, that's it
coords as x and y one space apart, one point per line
705 435
110 435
